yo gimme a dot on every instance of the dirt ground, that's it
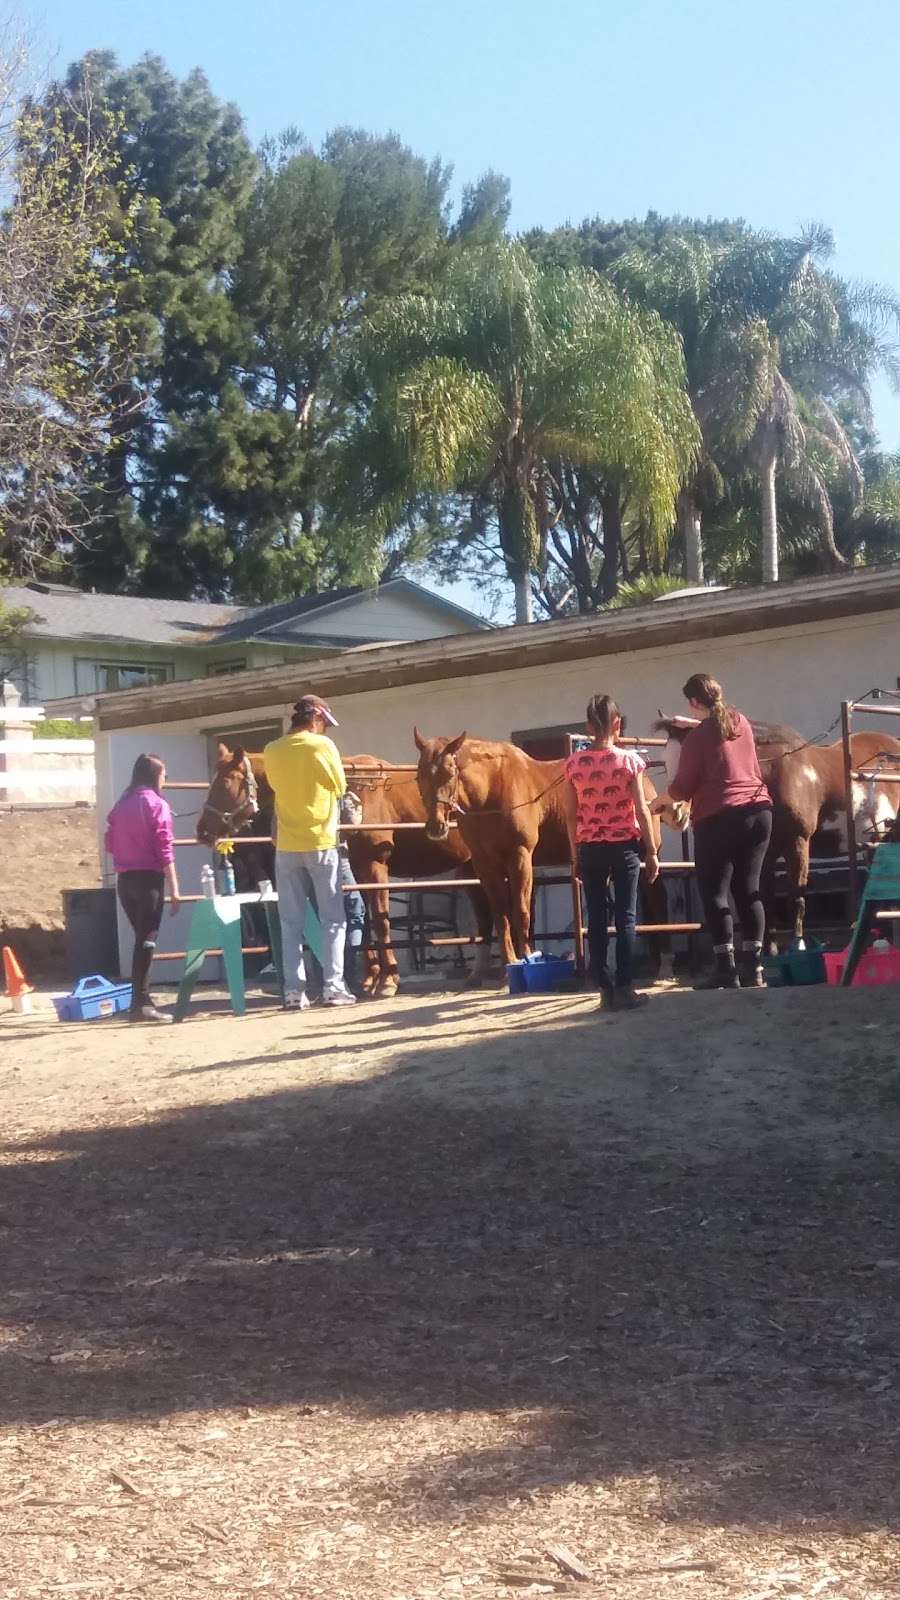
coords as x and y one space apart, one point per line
43 851
386 1304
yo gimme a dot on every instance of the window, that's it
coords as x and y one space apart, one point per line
218 669
550 744
105 677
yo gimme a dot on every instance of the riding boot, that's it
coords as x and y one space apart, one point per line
725 974
752 972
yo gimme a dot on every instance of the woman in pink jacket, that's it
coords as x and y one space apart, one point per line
141 841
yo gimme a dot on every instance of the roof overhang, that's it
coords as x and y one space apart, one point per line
731 613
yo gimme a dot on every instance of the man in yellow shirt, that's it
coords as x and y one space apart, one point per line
306 775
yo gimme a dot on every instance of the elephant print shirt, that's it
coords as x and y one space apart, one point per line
602 782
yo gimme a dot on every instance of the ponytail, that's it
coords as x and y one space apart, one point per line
707 692
602 715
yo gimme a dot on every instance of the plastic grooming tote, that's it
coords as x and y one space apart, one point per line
515 977
796 967
543 974
93 998
878 966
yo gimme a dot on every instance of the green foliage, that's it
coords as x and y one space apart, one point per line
506 367
66 215
64 728
638 591
258 373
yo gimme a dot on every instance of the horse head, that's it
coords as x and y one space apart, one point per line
233 800
677 813
437 776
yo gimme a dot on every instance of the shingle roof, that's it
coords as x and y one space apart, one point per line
63 613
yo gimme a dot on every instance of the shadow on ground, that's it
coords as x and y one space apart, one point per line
384 1246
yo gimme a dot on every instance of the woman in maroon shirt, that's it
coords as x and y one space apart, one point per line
731 810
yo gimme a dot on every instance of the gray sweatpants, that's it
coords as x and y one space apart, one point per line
302 876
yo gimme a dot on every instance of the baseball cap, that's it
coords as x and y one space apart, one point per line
309 704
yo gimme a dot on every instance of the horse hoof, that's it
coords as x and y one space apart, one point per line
387 989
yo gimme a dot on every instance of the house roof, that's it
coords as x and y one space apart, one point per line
66 613
715 614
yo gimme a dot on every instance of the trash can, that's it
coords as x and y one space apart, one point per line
92 935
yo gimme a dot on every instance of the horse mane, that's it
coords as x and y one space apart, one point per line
777 733
763 732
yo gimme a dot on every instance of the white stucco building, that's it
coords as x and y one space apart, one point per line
788 654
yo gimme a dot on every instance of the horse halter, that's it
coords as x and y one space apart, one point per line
248 807
451 801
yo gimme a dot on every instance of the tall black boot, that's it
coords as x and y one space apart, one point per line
725 974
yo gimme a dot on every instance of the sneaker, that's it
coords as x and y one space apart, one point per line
148 1013
295 1000
338 997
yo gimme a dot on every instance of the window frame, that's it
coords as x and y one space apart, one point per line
165 669
222 669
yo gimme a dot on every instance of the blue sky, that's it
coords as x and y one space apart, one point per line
779 111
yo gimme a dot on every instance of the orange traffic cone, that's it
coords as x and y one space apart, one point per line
16 987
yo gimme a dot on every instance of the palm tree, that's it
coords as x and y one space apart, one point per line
815 345
678 276
771 343
506 368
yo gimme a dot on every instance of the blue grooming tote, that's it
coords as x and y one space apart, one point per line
542 974
93 998
515 977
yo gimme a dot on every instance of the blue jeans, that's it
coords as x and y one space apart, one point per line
597 863
355 908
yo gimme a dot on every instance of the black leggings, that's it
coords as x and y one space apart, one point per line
142 895
729 849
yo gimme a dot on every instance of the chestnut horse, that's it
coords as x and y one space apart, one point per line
512 814
240 800
806 782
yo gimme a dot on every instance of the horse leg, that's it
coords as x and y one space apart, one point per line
767 890
484 922
521 887
494 884
796 858
388 979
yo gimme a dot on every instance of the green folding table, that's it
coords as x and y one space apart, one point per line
216 925
882 890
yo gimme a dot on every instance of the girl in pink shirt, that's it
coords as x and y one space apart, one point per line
140 839
609 818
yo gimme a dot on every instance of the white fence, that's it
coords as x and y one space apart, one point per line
46 771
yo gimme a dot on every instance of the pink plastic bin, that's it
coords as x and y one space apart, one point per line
835 961
874 966
878 966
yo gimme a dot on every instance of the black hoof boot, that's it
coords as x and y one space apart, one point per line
626 998
753 975
725 974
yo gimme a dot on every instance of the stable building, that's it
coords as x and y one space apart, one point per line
789 653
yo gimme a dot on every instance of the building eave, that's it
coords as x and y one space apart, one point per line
732 613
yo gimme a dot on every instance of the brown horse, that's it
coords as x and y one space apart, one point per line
240 800
513 814
806 782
